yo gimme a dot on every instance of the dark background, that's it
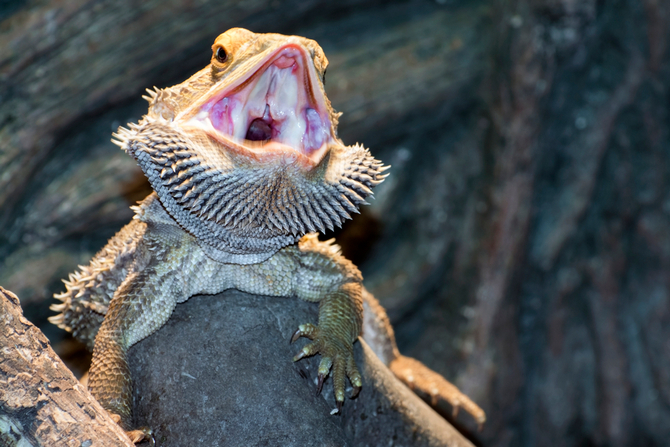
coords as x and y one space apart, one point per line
522 241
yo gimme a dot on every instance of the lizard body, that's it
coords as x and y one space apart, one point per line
246 166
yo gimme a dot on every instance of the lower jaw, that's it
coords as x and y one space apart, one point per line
272 152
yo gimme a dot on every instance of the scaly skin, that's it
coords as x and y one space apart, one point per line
169 267
245 161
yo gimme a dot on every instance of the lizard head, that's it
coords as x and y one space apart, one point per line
247 148
264 99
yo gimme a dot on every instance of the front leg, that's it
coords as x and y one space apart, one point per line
141 305
324 275
314 271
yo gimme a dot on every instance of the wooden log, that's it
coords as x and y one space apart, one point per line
41 403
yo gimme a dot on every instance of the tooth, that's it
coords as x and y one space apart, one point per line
202 115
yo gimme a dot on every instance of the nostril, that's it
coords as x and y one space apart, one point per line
259 130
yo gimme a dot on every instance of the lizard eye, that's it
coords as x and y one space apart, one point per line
221 54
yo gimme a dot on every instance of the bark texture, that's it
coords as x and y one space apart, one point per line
41 403
521 243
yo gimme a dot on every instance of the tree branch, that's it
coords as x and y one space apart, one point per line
41 402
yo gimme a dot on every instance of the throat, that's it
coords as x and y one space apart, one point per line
260 129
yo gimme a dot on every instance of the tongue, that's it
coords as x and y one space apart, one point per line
259 130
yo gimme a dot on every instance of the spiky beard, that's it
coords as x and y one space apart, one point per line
240 211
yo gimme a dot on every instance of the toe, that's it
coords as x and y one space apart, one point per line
354 375
307 351
339 378
141 434
305 330
324 369
325 365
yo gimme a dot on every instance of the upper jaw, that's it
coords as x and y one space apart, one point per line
278 111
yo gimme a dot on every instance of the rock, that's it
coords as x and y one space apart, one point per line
220 373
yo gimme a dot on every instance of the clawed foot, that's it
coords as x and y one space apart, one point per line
141 434
335 353
419 377
138 435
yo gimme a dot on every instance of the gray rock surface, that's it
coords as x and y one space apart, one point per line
220 374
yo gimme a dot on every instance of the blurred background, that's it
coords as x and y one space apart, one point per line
522 241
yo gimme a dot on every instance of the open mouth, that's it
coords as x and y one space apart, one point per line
276 109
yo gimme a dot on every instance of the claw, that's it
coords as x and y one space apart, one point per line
296 336
433 397
355 391
141 434
319 385
301 355
339 406
307 351
304 330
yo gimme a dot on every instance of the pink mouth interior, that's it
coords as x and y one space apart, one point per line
272 108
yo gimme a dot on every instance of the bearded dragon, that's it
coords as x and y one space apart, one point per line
246 166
